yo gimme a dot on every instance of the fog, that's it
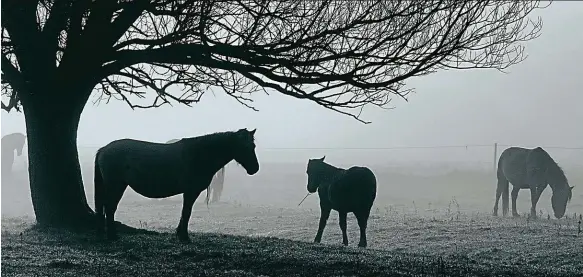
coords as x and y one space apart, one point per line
535 103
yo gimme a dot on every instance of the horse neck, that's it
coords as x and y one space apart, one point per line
329 170
218 152
556 177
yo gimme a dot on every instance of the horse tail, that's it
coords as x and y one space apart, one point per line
504 185
99 192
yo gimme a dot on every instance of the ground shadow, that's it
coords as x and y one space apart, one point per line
37 250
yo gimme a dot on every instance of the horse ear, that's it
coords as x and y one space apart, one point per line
322 159
253 132
572 187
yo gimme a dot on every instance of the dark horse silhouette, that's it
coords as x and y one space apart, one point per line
350 190
159 170
11 142
216 187
532 169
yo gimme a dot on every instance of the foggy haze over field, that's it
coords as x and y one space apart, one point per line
537 103
449 108
438 184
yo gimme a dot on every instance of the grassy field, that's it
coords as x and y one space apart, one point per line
420 226
252 241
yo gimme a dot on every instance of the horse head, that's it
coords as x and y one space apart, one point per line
561 196
313 176
244 150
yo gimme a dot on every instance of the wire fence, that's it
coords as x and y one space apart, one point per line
392 147
483 156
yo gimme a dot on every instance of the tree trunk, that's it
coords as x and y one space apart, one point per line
56 185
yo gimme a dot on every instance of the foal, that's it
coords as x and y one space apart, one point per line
350 190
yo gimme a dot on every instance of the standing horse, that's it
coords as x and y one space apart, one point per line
532 169
216 187
350 190
11 142
160 170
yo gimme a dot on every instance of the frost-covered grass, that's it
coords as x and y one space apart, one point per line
238 240
420 226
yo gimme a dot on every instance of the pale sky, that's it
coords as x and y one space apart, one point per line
536 103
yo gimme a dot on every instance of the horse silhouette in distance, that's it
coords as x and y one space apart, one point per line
10 143
532 169
216 187
217 184
160 170
346 191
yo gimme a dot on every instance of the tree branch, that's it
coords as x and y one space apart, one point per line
343 55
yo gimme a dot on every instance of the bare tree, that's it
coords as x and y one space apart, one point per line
342 55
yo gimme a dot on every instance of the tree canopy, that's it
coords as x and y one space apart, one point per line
342 55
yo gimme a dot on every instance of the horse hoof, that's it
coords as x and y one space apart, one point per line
112 237
515 215
363 245
184 238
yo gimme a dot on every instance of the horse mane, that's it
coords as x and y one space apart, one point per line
209 139
322 165
212 138
556 172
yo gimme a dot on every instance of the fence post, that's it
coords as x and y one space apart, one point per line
495 156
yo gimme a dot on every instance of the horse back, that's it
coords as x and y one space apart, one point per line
12 141
141 165
355 190
537 163
522 166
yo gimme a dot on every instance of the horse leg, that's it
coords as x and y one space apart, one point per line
514 195
324 214
182 229
534 196
342 221
114 194
362 218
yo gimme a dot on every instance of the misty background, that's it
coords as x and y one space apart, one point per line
535 103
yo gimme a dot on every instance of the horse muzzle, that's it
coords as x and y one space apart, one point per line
252 171
312 189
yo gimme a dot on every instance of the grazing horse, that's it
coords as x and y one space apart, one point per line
11 142
532 169
216 187
350 190
160 170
